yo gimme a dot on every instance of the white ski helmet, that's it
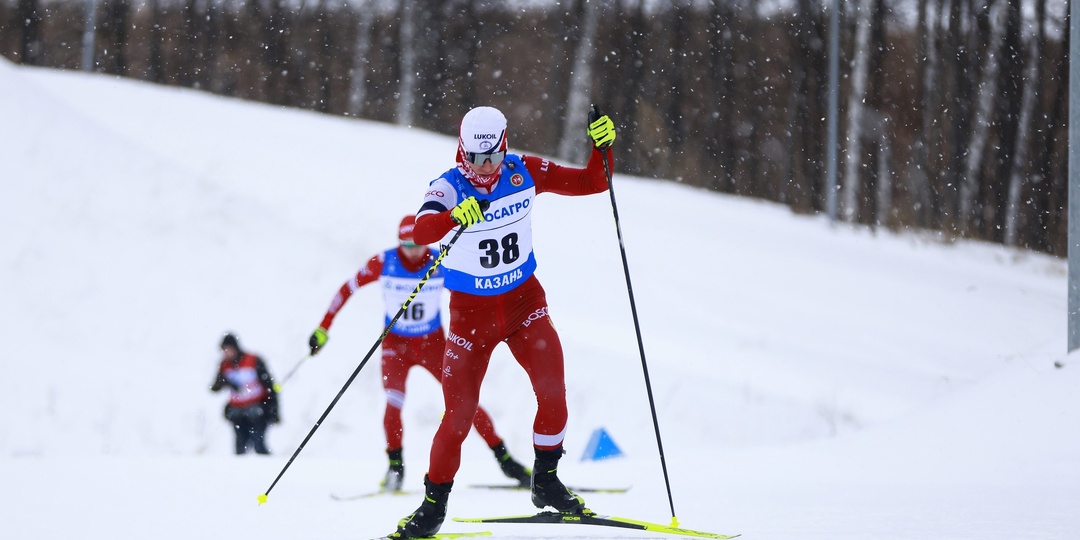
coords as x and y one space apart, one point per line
483 130
481 138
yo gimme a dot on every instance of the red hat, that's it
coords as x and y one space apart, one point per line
405 229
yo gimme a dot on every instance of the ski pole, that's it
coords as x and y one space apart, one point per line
593 116
285 379
438 260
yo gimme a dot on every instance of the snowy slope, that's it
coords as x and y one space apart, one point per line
810 381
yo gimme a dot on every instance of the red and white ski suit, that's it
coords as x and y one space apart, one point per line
518 317
400 353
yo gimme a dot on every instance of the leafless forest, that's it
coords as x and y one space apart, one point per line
952 112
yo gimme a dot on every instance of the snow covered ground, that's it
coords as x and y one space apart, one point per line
811 381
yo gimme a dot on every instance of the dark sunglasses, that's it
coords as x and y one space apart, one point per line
480 159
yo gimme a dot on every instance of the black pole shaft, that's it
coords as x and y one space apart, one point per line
637 329
364 362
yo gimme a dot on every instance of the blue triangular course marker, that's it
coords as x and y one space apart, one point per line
601 446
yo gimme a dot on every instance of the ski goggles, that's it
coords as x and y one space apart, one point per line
479 159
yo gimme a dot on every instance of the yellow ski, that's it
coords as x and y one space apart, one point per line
588 517
437 536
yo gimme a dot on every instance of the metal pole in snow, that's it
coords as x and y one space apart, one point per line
88 36
1074 177
834 91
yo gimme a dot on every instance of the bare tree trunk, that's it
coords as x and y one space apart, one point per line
325 57
567 22
1033 81
1038 190
631 73
789 192
359 71
431 62
571 147
469 42
31 48
801 161
89 38
212 19
959 99
189 63
884 184
298 55
1009 86
986 100
815 129
276 38
876 110
155 71
924 134
720 144
406 104
681 52
1055 231
119 11
859 76
753 164
254 30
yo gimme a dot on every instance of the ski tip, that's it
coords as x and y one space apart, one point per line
262 498
437 536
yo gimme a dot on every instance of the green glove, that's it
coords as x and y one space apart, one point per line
317 340
602 131
467 213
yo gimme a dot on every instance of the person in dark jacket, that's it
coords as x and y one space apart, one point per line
253 402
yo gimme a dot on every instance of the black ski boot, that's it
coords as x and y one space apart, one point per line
547 489
428 519
395 475
510 467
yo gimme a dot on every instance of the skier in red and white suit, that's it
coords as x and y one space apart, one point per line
494 298
417 339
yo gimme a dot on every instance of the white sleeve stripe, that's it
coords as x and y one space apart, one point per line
336 303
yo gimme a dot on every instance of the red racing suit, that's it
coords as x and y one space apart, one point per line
516 314
400 352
